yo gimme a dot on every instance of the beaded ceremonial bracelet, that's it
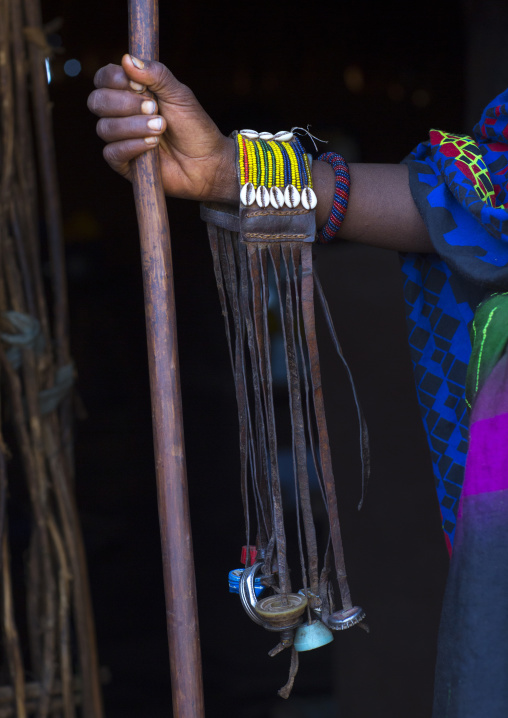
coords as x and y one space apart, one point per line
340 198
274 170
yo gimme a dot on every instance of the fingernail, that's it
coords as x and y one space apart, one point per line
136 86
148 107
155 124
138 63
151 140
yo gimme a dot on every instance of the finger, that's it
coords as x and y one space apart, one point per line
114 77
119 103
117 129
119 154
158 79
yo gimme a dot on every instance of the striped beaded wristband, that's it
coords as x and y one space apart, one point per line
273 170
340 198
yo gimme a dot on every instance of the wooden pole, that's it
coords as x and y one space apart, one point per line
177 556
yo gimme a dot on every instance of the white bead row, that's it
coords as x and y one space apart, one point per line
291 197
282 136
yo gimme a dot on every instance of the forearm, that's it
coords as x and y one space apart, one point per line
198 162
381 211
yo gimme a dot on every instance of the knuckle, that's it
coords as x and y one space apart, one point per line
127 104
108 76
185 93
165 76
111 103
102 129
111 155
97 79
118 77
164 80
92 101
99 102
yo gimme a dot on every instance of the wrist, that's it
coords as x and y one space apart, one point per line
225 188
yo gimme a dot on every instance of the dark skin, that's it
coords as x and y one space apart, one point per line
198 161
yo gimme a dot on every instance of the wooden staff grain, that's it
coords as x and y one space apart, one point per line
177 556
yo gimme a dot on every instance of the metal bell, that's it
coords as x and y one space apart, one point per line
312 635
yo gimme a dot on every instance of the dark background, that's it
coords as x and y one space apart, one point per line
373 79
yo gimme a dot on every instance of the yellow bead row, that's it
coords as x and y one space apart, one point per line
279 164
263 170
262 179
241 159
251 157
307 167
270 169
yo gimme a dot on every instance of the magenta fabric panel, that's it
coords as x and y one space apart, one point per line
487 461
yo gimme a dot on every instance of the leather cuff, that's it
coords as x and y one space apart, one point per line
263 224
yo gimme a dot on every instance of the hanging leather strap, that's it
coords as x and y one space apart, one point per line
250 250
319 409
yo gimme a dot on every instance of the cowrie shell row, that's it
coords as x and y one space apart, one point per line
262 196
283 136
276 197
291 196
309 199
248 194
250 134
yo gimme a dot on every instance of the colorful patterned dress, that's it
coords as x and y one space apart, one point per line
459 184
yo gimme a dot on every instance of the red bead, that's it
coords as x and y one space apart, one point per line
253 552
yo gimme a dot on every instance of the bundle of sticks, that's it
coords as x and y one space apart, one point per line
36 376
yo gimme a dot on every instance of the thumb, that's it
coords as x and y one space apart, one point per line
158 79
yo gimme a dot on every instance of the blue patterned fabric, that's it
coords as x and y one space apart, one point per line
438 317
459 184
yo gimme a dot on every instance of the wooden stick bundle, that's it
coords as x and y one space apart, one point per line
35 371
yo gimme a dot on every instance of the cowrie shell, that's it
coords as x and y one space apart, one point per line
276 197
250 134
265 136
248 194
309 199
283 136
291 196
262 196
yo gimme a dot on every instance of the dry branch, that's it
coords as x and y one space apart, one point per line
34 349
